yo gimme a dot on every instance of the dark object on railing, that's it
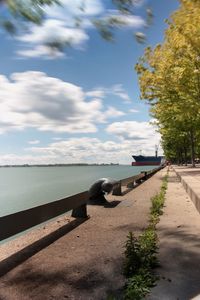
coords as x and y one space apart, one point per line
99 189
20 221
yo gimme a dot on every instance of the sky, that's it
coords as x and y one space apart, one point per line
80 105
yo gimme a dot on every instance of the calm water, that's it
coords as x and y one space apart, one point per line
22 187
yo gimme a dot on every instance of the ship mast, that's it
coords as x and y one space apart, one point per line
156 149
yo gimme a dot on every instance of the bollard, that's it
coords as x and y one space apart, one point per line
99 189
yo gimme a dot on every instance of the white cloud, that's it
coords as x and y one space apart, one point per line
139 3
41 51
132 130
113 113
116 90
57 138
142 135
85 149
97 93
126 21
133 110
132 21
34 142
93 150
52 32
120 92
34 100
75 8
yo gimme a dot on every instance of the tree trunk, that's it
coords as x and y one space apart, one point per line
185 155
185 152
192 147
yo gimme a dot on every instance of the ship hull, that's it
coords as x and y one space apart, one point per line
148 163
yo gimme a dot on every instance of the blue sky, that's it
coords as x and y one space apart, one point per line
80 105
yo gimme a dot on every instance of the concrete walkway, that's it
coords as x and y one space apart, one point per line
190 178
179 234
86 263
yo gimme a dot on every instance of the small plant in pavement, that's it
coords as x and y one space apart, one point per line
141 253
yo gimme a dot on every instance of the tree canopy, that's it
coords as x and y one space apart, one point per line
169 78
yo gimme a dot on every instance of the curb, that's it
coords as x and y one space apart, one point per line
191 185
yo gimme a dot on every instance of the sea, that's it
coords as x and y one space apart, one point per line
26 187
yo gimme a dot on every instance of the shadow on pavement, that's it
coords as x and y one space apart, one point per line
101 201
179 270
19 257
112 204
78 282
188 171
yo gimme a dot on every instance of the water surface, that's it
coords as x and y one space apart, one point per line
26 187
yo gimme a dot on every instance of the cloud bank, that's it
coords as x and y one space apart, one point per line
125 140
35 100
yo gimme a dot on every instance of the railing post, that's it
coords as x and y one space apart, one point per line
117 189
131 185
80 212
145 175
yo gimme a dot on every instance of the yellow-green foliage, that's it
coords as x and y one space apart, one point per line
169 78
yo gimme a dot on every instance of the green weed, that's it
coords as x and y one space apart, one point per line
141 253
139 285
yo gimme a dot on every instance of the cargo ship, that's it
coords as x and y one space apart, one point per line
141 160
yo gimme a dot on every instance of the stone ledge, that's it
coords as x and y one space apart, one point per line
191 184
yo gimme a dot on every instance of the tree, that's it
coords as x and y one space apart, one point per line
169 78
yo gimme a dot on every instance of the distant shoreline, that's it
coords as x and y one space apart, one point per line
57 165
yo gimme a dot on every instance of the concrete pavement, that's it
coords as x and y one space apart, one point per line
179 235
190 178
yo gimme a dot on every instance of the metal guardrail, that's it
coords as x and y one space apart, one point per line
20 221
